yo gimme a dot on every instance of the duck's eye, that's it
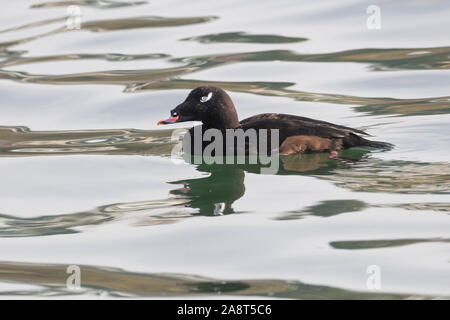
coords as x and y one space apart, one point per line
206 98
174 114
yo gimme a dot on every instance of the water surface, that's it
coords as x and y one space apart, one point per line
87 177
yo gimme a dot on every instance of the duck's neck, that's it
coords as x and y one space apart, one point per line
223 123
224 117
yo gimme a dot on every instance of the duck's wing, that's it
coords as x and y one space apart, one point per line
295 125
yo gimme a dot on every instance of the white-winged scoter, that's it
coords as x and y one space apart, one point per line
215 109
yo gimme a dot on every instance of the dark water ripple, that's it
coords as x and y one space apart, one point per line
50 280
100 4
160 80
20 141
168 78
379 59
244 38
13 226
372 106
34 24
395 176
105 25
67 57
141 22
330 208
386 243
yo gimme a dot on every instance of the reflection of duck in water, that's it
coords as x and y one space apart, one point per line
216 193
215 109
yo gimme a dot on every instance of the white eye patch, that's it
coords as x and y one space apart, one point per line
206 98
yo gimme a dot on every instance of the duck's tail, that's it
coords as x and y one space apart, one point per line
357 141
378 144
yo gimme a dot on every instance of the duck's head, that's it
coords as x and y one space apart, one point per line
210 105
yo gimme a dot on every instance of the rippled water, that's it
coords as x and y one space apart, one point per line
87 177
